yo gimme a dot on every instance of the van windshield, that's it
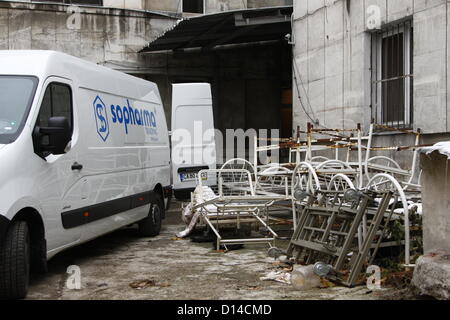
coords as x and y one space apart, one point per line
16 96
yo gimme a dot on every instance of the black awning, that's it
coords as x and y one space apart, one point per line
225 28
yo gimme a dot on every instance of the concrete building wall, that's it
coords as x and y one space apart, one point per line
210 6
96 34
151 5
269 3
333 61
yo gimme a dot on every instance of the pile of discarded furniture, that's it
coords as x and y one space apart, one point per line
340 210
362 172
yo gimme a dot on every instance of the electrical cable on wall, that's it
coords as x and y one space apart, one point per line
315 121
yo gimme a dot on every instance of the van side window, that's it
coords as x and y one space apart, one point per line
57 102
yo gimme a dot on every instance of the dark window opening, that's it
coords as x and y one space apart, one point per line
393 70
193 6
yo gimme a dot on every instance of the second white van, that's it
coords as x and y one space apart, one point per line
193 137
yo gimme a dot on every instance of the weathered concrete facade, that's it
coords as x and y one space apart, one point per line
212 6
99 35
151 5
332 55
209 6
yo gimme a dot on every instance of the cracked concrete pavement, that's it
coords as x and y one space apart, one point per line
177 269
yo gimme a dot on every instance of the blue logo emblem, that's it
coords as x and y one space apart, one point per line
101 117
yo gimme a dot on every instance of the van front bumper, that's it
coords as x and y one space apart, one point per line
4 223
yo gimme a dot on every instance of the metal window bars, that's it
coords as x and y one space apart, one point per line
392 74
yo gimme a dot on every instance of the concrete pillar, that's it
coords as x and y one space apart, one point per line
432 272
436 201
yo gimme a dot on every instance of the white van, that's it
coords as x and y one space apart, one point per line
193 137
84 151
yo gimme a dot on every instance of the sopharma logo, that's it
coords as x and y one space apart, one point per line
126 115
129 116
101 118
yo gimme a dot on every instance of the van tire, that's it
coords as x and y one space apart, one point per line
15 258
151 226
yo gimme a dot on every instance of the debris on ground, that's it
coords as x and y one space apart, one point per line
324 283
177 239
147 283
275 252
303 278
250 288
278 276
399 280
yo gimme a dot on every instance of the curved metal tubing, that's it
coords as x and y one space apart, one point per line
402 195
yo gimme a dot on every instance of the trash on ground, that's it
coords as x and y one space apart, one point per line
303 278
278 276
147 283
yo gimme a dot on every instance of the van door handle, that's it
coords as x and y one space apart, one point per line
77 167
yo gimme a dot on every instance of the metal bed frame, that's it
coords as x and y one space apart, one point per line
235 203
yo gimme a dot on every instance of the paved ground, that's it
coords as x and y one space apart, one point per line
176 269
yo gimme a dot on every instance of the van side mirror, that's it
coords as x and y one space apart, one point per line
58 133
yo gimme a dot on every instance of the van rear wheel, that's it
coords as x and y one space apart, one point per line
151 226
15 262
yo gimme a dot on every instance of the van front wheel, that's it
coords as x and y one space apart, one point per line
151 226
15 262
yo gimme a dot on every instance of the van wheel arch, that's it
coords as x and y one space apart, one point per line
38 242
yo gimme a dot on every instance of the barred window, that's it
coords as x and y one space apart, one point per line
392 75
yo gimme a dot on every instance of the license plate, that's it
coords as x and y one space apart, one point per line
190 176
